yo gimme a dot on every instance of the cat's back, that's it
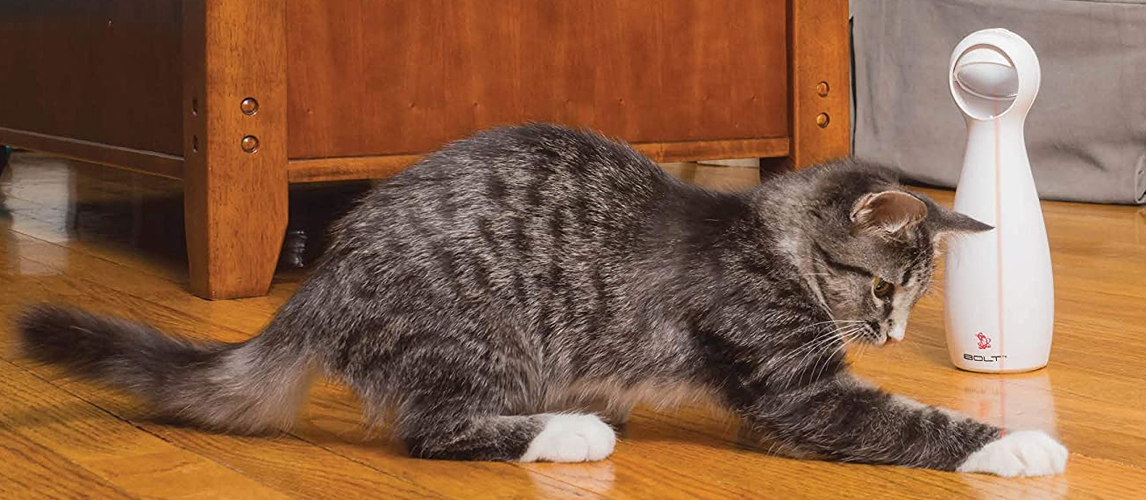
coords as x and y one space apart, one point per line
510 199
520 172
542 153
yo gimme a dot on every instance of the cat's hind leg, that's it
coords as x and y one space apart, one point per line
551 437
483 411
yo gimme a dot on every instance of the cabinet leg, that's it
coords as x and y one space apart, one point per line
234 144
234 235
819 59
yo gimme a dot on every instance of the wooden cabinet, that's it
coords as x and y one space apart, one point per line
240 98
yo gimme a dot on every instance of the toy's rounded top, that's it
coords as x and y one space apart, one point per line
994 72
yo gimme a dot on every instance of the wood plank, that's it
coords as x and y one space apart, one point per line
111 199
391 77
377 167
146 162
31 470
112 79
112 449
235 162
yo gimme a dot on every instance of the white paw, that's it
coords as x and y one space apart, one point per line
1023 453
571 438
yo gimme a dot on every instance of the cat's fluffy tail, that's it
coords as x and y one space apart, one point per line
250 387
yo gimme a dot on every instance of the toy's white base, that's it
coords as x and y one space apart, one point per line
977 369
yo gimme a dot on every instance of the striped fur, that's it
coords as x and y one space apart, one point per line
537 269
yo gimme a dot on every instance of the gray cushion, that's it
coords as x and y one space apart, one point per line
1086 134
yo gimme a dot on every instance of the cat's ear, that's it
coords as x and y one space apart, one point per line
889 212
943 223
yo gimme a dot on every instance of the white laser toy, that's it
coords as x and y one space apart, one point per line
999 301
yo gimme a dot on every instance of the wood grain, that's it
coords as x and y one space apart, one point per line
348 168
147 162
236 199
35 470
819 51
667 152
392 77
109 448
102 71
97 441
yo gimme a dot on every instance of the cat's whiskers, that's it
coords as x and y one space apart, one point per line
847 339
829 354
835 322
821 338
839 326
817 348
799 357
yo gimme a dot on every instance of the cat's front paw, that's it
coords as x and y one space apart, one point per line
1023 453
571 438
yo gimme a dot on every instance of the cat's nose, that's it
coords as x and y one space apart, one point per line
898 331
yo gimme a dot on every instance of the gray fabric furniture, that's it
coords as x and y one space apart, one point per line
1086 134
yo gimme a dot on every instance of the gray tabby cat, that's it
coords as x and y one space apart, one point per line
510 294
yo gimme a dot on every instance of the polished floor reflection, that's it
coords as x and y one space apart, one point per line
112 241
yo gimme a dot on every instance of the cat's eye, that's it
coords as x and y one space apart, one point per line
881 288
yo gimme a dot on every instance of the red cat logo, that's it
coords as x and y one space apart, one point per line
984 341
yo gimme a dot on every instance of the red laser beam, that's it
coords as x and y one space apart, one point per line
999 267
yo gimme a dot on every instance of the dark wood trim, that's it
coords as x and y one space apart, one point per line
147 162
235 194
377 167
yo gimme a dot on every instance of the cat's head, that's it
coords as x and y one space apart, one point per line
870 246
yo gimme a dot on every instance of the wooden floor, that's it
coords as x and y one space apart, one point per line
109 240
